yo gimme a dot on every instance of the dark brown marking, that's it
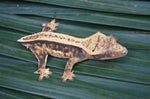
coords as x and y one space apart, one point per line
98 40
76 51
108 54
39 53
77 41
75 54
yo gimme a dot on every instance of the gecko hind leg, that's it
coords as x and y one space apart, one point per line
68 73
42 59
50 26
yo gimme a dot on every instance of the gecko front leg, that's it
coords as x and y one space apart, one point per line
41 55
68 73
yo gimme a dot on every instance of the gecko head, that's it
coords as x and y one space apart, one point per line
115 50
111 49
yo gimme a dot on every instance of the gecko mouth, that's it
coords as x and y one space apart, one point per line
113 55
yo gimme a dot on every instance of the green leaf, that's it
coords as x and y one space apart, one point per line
111 19
122 78
118 6
128 37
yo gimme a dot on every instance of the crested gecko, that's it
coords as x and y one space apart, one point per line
47 42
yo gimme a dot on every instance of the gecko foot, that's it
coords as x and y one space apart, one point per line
50 26
43 73
68 75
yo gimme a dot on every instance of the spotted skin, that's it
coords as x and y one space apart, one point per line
50 26
97 47
42 49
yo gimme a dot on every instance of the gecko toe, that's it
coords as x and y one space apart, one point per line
64 80
43 73
40 78
68 75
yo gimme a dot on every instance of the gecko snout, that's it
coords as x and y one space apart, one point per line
125 51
